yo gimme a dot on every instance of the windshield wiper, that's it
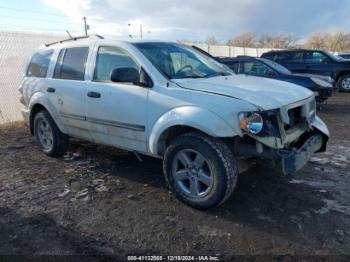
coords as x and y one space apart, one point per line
217 74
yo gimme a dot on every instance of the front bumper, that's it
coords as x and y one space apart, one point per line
25 113
294 160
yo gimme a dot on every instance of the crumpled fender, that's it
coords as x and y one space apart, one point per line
42 99
321 126
192 116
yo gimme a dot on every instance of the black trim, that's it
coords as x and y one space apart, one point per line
139 128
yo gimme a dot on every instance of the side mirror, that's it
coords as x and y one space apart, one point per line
131 75
125 75
270 73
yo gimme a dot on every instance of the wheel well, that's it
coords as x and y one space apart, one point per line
341 74
172 132
36 109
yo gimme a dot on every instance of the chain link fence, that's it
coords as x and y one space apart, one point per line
16 49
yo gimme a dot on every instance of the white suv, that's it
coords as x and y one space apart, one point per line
169 101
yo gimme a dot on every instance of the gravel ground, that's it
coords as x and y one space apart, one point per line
101 202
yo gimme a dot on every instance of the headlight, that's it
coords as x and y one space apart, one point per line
251 122
321 82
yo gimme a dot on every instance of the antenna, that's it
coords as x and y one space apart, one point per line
70 36
85 25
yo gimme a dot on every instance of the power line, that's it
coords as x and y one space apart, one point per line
31 11
38 19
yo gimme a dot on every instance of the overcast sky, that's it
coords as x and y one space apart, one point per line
195 19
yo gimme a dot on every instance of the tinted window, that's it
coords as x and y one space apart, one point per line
294 57
314 57
71 63
256 68
234 66
109 58
39 63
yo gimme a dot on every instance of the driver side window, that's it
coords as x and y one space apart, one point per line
109 58
315 57
257 69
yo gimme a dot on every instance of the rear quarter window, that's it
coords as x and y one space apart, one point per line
71 63
39 64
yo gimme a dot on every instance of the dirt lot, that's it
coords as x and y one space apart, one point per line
100 201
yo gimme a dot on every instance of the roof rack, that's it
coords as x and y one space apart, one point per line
74 39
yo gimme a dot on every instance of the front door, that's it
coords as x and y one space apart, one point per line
116 112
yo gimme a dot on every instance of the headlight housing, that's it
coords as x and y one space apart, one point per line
251 122
321 82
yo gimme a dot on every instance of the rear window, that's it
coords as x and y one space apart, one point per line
39 64
71 63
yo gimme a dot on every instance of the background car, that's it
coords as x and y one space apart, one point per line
321 85
344 55
314 62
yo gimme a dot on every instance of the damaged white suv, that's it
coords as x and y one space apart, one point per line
169 101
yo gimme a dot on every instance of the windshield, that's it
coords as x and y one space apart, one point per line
335 57
279 68
180 61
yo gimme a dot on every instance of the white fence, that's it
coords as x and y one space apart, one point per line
232 51
17 47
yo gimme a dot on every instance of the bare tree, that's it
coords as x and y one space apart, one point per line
247 39
211 40
281 40
332 41
317 40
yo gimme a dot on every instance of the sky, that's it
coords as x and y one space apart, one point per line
191 20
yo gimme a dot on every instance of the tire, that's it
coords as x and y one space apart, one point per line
49 138
210 175
343 83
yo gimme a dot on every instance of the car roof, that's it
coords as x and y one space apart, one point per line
292 50
91 39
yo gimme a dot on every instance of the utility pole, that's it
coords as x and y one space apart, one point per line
85 25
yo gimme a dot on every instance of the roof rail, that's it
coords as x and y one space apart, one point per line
74 39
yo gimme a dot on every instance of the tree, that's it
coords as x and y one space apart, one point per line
247 39
332 41
211 40
317 40
281 40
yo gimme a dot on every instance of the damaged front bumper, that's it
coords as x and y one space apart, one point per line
294 160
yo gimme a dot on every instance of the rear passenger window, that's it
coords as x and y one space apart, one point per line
295 57
71 63
109 58
39 64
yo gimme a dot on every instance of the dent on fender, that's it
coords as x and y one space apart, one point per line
191 116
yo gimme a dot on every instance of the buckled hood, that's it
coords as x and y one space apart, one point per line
262 92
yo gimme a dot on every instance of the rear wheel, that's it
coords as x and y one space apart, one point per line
344 83
50 139
200 170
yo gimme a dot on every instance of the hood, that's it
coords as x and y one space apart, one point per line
325 78
262 92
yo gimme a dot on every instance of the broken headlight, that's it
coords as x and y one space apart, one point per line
251 122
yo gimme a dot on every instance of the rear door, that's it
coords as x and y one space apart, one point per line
294 61
66 89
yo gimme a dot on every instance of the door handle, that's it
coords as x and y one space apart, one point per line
94 94
51 90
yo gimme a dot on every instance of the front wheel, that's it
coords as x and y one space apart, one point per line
200 170
344 83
